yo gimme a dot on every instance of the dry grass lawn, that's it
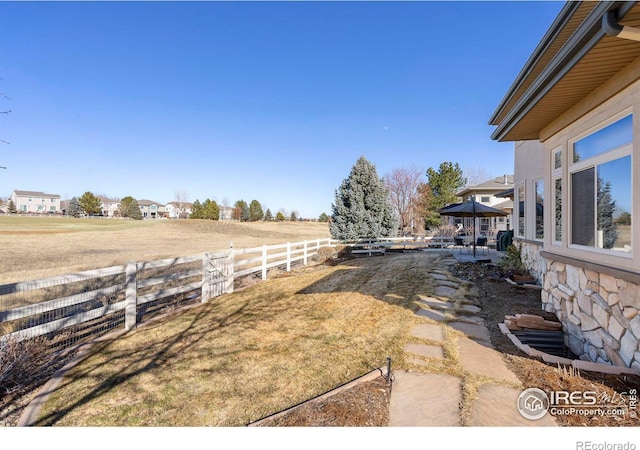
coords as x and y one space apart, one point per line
252 353
38 247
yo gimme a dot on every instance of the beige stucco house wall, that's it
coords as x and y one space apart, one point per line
35 202
581 81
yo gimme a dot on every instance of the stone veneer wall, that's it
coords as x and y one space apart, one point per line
599 313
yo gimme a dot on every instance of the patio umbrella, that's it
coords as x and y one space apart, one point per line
471 209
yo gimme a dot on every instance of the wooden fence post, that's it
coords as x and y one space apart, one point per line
131 288
305 253
229 273
264 262
206 287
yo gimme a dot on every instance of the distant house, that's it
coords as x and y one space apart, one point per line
151 209
226 213
36 202
110 207
572 113
487 194
178 210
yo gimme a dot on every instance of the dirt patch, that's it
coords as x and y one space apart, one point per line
365 405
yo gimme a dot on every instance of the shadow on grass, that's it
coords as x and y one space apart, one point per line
205 320
394 279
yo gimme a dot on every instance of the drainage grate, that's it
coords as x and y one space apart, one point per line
551 342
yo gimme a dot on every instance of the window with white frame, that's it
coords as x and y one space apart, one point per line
601 187
539 190
521 204
557 207
556 185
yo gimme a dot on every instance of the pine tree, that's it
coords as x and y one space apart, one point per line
196 210
134 210
241 211
210 210
74 208
268 216
125 202
323 217
280 217
12 207
362 208
255 211
443 186
606 209
245 216
90 204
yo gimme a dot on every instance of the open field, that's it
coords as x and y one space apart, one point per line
37 247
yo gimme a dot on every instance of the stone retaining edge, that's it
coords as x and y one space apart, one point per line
576 363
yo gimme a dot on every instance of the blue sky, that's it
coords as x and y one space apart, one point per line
273 101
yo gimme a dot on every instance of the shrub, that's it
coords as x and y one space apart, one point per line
325 253
23 363
512 263
447 230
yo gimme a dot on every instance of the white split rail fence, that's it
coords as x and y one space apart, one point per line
94 302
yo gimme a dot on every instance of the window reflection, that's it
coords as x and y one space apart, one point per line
614 204
610 137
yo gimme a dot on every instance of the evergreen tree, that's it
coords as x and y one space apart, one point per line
210 210
12 207
293 217
606 209
255 211
443 186
268 216
90 204
134 210
280 217
74 208
362 208
241 211
323 217
245 216
125 202
196 210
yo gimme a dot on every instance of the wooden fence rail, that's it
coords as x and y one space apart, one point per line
72 307
87 304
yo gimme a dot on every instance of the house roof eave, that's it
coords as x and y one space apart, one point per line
511 114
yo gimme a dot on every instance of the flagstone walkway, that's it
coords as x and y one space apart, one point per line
459 378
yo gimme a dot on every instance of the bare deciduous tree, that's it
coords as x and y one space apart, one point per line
476 175
180 197
403 186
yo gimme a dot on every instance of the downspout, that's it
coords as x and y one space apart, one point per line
611 26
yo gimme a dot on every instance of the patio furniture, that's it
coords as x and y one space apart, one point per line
482 244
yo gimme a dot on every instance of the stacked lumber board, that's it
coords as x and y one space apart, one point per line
530 322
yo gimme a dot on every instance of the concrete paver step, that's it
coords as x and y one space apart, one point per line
434 400
424 400
496 406
424 350
478 359
428 331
